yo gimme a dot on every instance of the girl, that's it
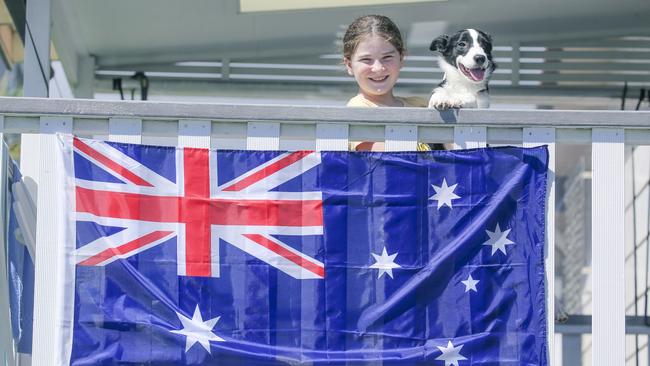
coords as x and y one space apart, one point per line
373 52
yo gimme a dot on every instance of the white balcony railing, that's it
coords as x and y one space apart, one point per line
331 128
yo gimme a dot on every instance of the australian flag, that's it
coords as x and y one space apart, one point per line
227 257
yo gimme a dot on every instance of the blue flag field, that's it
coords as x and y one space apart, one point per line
224 257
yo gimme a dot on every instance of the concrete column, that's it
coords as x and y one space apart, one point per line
85 87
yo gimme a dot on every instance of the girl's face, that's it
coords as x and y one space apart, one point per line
375 65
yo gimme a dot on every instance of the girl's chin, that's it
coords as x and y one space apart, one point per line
378 89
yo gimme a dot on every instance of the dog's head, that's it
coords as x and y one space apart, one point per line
469 51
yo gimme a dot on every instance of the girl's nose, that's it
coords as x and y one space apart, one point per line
377 66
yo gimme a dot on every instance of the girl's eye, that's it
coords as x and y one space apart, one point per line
365 60
389 57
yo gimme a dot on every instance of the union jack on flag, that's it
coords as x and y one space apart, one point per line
230 257
244 212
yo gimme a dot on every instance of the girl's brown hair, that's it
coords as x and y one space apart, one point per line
367 26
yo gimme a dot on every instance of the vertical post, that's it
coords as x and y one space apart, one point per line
225 68
85 87
516 63
263 136
469 137
535 137
47 344
37 48
608 246
401 138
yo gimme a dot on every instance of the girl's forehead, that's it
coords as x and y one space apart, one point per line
374 44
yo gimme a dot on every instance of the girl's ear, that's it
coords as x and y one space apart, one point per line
348 66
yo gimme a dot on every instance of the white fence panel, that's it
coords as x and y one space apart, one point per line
266 128
401 138
263 136
330 136
469 137
608 246
194 133
47 294
127 130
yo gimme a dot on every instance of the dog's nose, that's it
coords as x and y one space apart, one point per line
479 59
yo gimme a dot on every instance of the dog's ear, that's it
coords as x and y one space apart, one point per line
487 36
440 44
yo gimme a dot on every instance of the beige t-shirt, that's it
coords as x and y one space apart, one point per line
360 101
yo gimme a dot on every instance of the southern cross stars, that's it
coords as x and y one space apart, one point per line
385 263
498 239
444 194
450 354
198 331
470 284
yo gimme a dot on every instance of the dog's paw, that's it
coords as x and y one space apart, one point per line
442 104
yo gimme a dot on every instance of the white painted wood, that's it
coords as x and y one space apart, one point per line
469 137
194 133
504 136
47 294
299 114
127 130
431 134
263 136
30 152
330 136
401 137
229 135
535 137
159 132
608 249
297 136
367 133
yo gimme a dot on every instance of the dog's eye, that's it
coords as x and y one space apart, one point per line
461 44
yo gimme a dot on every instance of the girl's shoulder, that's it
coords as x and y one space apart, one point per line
414 102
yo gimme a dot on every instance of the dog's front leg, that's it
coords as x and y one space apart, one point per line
441 99
483 100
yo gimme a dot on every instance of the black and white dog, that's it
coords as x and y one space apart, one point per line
466 59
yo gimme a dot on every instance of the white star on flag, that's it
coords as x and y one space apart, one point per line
198 331
385 263
470 284
450 354
498 240
444 194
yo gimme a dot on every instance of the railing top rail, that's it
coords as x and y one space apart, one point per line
302 114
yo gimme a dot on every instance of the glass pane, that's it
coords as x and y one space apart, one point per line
573 250
637 202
